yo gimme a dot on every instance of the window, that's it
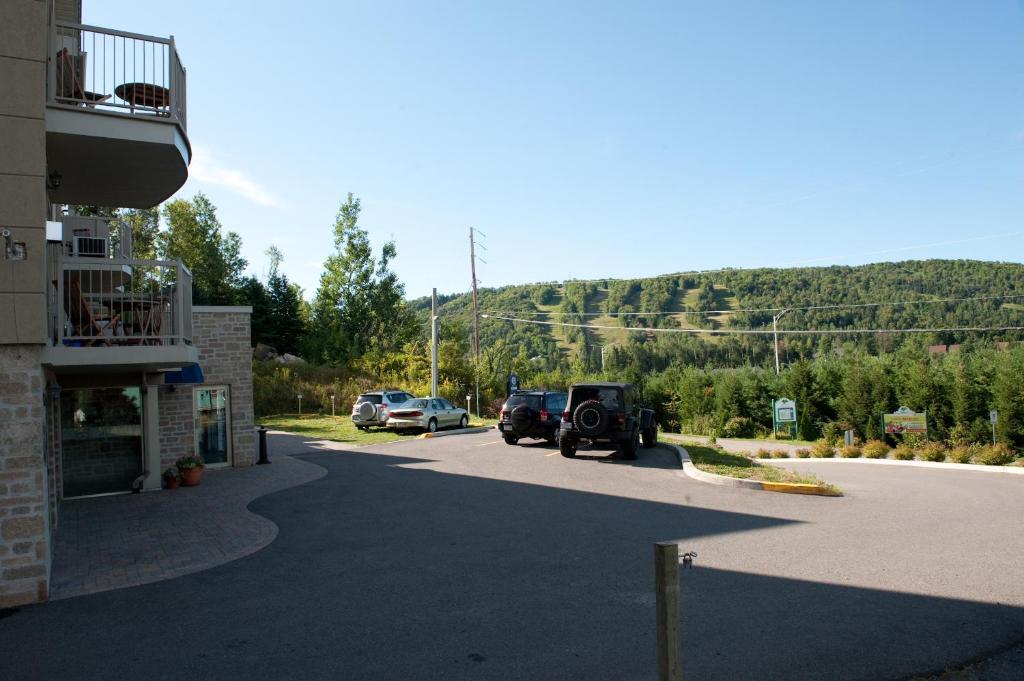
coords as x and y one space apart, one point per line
372 398
556 402
445 404
531 401
101 440
213 434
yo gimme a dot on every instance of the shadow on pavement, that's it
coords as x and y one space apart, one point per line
386 569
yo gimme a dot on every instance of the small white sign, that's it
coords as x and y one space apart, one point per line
993 416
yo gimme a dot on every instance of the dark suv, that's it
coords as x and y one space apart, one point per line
606 412
532 413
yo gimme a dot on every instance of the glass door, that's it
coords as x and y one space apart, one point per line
101 440
213 425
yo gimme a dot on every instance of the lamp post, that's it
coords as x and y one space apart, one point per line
775 332
468 400
300 404
332 406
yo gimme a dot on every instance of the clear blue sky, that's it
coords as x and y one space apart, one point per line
640 138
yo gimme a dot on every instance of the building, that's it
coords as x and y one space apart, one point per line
107 371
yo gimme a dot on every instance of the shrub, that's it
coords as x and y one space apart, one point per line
995 455
876 449
822 450
962 454
764 454
913 440
850 452
933 451
903 453
780 454
738 426
833 432
803 453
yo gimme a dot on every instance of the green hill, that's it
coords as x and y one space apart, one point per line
721 301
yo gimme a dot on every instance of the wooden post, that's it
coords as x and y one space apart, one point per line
666 586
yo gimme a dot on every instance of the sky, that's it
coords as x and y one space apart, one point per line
600 139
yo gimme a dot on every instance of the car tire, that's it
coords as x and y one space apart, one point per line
630 446
432 426
650 437
464 421
511 439
567 448
590 418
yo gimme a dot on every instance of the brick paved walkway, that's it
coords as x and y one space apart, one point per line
115 542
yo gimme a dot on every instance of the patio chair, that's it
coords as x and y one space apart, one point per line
70 75
85 322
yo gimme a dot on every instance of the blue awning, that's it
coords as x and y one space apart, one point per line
187 375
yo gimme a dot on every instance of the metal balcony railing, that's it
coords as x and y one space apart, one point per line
116 72
117 301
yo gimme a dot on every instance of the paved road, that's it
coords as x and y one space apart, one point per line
462 558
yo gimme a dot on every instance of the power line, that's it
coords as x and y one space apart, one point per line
765 309
764 331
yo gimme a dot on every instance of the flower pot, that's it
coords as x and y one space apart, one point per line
172 483
190 477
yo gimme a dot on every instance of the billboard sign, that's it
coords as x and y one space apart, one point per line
905 420
785 411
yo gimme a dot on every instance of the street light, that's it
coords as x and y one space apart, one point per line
775 332
300 404
332 406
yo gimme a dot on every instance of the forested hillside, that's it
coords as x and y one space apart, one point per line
735 300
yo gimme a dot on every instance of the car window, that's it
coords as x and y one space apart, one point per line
397 398
445 404
609 397
435 404
372 398
531 401
556 402
414 404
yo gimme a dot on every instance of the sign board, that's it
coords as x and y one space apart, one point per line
513 383
993 416
905 420
785 410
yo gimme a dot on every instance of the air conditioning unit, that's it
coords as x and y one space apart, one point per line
89 247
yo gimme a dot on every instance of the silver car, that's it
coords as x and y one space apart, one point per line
373 409
429 414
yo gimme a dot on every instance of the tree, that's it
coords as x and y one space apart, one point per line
143 225
194 236
360 304
285 322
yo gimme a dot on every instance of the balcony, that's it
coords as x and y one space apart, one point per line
116 115
110 311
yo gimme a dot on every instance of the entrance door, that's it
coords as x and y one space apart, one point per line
213 425
101 440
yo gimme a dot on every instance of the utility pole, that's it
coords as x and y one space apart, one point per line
433 343
476 315
775 332
476 311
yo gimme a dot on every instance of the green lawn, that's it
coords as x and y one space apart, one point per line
721 462
339 428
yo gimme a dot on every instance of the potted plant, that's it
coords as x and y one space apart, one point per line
191 468
172 478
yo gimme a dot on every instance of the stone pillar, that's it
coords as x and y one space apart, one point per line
151 436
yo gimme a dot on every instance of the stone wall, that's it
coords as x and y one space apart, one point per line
24 499
222 336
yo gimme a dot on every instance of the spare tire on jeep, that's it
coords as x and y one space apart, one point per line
522 420
367 410
590 418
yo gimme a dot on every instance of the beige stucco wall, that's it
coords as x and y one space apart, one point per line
222 336
23 40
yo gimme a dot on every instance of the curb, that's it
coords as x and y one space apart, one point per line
714 479
461 431
1012 470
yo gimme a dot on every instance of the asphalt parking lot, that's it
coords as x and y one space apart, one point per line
463 557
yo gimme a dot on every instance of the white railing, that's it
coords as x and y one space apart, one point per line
115 71
97 302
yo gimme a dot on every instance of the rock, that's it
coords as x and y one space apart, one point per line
288 358
263 351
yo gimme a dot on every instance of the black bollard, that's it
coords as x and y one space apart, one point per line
263 446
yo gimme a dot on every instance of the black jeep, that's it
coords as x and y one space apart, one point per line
606 412
531 413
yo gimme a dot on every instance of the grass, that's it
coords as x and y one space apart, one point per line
340 428
721 462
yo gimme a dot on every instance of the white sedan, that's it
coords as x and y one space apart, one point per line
427 413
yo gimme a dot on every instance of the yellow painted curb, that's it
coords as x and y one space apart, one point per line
800 488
